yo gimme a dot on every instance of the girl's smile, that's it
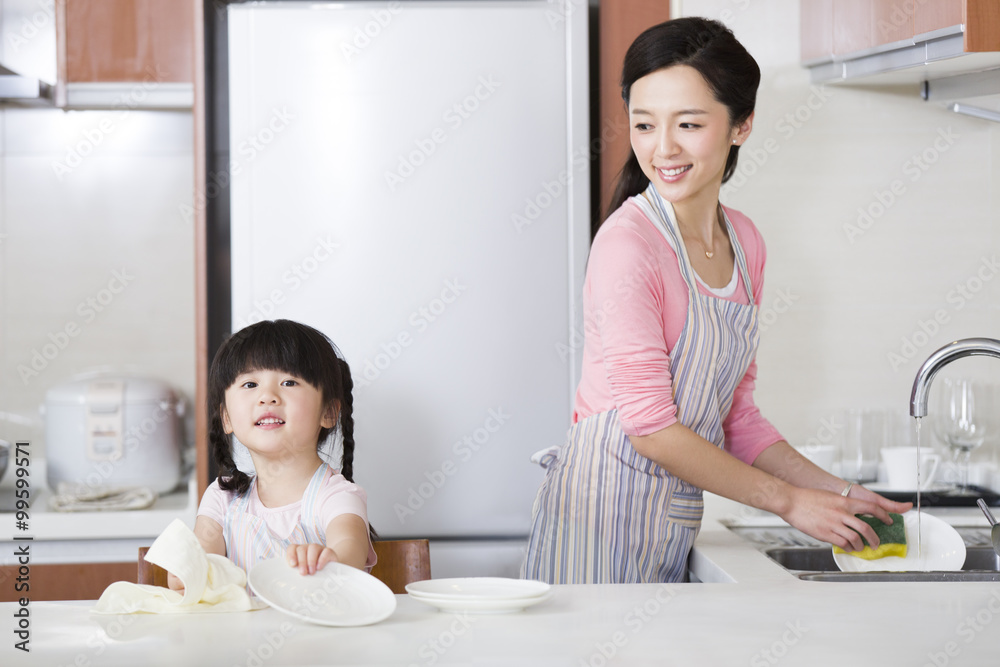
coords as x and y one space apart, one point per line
269 421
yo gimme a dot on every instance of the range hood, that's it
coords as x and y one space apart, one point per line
967 83
18 89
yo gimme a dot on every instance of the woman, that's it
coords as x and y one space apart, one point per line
665 404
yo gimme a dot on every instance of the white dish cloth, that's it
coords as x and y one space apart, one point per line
212 583
84 498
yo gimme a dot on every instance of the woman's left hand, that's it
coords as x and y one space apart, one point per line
309 558
831 517
861 493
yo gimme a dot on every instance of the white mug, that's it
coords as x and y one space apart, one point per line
901 467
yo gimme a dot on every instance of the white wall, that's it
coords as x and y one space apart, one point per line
840 304
96 255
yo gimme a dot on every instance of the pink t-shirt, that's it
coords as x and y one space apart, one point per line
336 496
635 304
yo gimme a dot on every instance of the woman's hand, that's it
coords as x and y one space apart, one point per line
831 517
309 558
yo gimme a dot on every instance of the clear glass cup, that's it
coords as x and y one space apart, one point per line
961 420
865 433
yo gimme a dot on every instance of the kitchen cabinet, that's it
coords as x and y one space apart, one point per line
65 581
124 53
832 30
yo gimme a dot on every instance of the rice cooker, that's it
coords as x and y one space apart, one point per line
113 432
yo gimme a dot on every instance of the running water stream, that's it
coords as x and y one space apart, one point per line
919 522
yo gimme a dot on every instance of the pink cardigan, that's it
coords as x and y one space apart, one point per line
635 305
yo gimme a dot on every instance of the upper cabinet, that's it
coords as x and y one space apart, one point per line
909 40
125 53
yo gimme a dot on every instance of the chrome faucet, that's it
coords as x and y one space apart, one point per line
966 347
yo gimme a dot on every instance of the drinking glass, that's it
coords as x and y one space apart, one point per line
865 432
960 418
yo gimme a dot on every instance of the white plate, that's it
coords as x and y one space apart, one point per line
338 594
883 487
485 589
942 550
494 606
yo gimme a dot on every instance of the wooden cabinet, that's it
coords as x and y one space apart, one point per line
128 40
815 29
138 53
838 28
71 581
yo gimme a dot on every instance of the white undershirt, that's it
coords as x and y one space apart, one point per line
723 292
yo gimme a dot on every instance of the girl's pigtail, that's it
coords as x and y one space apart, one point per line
347 423
231 478
347 431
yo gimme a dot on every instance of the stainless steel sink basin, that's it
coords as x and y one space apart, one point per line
817 564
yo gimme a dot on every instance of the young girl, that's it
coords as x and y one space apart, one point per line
281 389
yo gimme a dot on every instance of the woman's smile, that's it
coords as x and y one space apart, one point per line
673 174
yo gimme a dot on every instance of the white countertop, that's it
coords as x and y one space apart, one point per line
766 616
682 624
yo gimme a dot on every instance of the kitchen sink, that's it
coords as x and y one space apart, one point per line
817 564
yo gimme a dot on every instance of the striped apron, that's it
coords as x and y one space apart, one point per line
248 540
605 514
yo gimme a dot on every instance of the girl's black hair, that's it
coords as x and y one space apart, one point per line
710 48
294 348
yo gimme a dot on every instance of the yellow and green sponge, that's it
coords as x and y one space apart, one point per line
892 539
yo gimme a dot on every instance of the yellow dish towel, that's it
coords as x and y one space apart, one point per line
212 583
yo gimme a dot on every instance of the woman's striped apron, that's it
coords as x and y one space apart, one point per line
248 540
605 514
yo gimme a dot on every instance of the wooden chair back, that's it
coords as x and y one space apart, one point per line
150 574
400 562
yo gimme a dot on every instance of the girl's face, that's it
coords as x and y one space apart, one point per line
275 413
681 134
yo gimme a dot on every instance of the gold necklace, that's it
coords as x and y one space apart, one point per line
709 254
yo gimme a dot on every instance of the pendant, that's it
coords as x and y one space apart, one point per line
709 254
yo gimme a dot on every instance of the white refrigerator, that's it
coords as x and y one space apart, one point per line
413 180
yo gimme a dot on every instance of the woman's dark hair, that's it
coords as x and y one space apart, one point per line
293 348
710 48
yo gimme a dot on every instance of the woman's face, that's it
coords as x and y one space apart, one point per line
681 134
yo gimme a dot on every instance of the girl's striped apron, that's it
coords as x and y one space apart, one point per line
248 540
605 514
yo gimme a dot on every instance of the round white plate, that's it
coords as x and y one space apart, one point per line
883 487
338 595
486 589
942 550
495 606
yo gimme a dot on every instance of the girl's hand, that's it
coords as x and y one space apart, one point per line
309 558
831 517
173 583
